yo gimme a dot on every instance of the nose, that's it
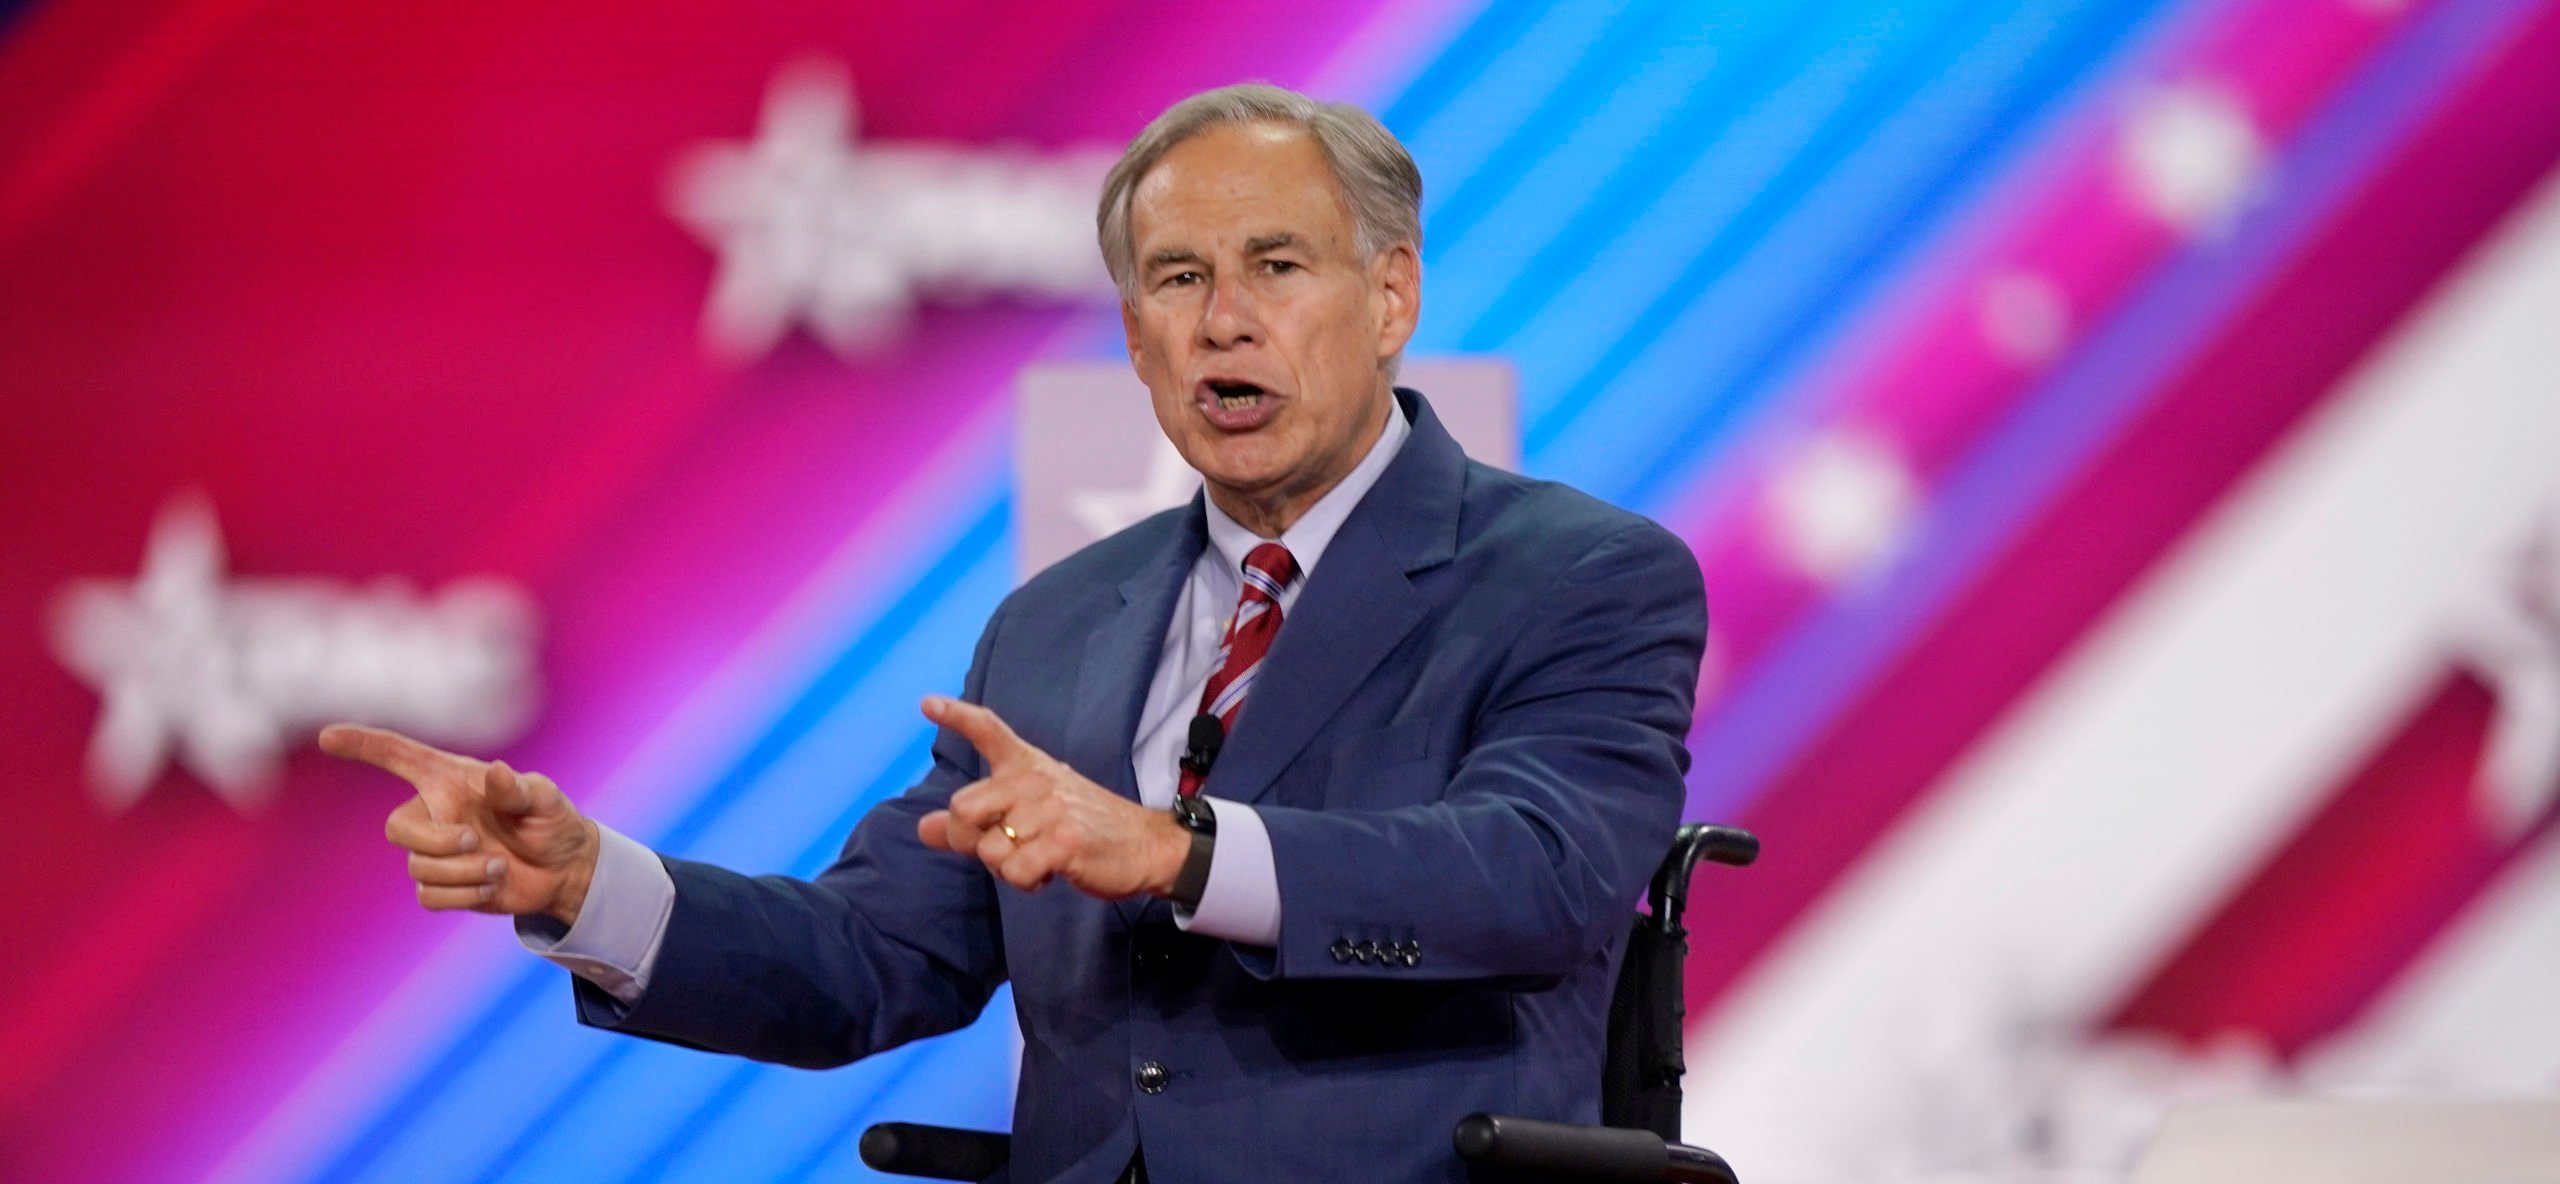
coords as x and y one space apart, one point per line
1229 319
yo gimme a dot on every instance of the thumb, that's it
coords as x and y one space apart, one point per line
524 794
506 790
983 729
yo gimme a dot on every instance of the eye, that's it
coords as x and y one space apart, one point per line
1179 279
1279 266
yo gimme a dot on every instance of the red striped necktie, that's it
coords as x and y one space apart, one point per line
1267 570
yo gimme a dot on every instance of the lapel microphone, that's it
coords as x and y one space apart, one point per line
1208 734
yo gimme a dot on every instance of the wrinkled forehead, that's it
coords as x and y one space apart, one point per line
1237 185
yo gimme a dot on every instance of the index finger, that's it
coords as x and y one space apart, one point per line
982 728
383 749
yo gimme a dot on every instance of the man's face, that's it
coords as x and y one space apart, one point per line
1257 327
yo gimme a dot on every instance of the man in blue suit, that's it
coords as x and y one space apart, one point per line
1304 819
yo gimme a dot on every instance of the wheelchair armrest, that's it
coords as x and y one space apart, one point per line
1584 1153
1668 895
935 1152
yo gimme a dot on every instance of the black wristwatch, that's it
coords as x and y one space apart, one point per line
1194 814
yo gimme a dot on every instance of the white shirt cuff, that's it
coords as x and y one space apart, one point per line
1242 901
623 922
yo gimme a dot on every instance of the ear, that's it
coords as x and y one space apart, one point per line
1129 325
1395 286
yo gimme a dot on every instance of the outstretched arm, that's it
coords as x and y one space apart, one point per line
892 943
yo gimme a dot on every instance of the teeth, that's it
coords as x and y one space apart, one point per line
1234 402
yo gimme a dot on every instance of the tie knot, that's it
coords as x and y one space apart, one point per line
1270 567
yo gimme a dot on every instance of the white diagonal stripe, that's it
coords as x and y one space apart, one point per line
1262 579
1234 692
1928 1010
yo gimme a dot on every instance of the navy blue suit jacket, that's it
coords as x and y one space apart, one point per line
1467 747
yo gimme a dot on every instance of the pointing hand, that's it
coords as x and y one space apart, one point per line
480 835
1033 818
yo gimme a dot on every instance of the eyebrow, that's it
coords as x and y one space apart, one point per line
1172 256
1269 242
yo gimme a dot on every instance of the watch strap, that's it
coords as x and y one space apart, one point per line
1193 881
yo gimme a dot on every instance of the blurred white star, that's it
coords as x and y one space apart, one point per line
1840 504
223 675
814 231
1169 482
2191 155
154 650
2508 630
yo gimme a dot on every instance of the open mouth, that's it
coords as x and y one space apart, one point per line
1235 405
1234 396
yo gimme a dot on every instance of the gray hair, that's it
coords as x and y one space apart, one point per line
1377 175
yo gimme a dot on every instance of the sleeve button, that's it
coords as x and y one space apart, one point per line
1341 949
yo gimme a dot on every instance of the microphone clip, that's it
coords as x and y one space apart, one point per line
1208 734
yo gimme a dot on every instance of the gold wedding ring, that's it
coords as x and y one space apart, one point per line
1008 833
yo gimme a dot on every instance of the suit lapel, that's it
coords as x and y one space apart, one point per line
1120 657
1358 605
1355 609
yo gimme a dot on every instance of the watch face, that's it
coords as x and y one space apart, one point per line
1194 814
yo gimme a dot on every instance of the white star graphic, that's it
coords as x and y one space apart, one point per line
2509 632
791 246
814 232
155 651
223 674
1169 482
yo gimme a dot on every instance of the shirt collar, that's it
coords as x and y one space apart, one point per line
1313 532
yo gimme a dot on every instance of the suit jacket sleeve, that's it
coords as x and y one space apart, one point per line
1559 810
893 942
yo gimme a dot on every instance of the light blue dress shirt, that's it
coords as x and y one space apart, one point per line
624 920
